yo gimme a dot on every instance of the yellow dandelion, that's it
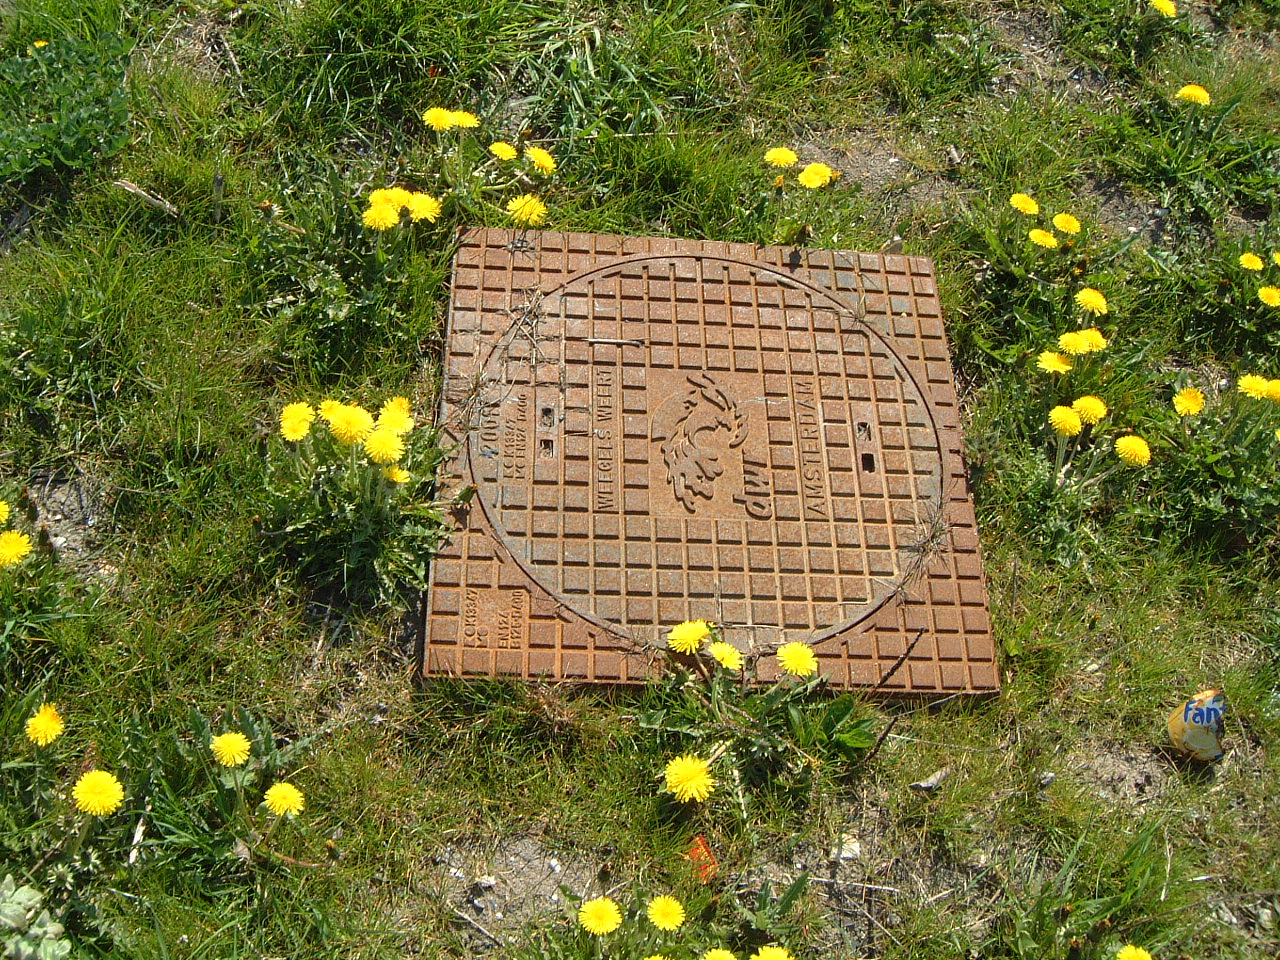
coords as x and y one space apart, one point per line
815 176
284 799
1066 223
1194 93
689 778
1052 362
397 474
1273 390
781 157
1129 951
797 659
1065 421
1166 7
1133 450
14 546
423 206
527 209
230 749
599 916
438 118
726 654
1275 258
295 421
1090 408
98 793
1091 301
381 216
40 43
1024 204
1188 401
665 913
4 511
395 415
772 952
396 197
463 120
1042 238
1252 385
1074 343
384 447
1270 296
688 637
503 150
542 161
1093 339
45 725
1251 261
329 409
719 953
351 423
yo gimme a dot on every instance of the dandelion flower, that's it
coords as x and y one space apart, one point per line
1093 339
295 421
503 150
98 793
463 120
1188 401
1133 450
816 175
384 447
1067 223
1251 261
283 799
423 206
1065 421
1273 390
772 952
1252 385
1073 343
1024 204
599 916
1194 93
395 196
1275 258
13 547
329 409
1166 7
665 913
689 778
230 749
381 216
45 725
542 161
719 953
1270 296
1092 301
688 637
397 474
1129 951
351 423
1042 238
797 659
396 415
781 157
438 118
726 654
1052 362
40 43
4 511
527 209
1090 408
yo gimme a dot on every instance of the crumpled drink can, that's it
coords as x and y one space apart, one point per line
1196 726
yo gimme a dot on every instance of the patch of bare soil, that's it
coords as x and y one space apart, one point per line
1041 62
1126 773
68 516
495 889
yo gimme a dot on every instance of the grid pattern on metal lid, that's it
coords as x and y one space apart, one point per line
661 430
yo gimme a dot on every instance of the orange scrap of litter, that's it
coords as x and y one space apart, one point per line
703 860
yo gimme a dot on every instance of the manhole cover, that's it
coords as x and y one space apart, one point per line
663 430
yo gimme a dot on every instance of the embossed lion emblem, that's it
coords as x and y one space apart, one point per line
708 424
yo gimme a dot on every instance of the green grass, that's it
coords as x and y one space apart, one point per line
148 355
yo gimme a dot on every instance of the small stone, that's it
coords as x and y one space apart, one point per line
1047 778
487 882
848 847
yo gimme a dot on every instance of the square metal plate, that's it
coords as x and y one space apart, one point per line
664 430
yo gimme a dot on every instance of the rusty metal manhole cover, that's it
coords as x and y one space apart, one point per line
662 430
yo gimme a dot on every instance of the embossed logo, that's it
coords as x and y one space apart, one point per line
704 425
